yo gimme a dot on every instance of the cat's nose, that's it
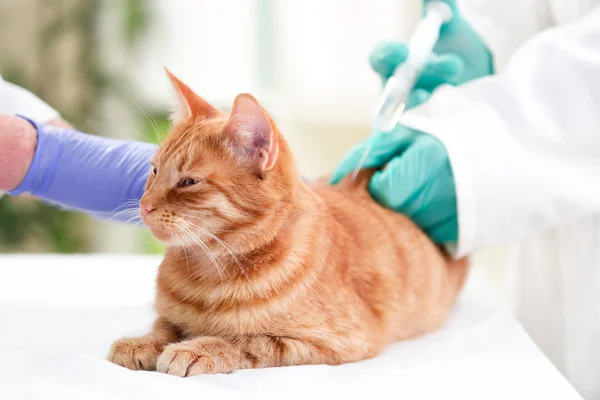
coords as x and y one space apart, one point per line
146 208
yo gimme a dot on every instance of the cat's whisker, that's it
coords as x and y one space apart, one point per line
218 264
152 122
147 138
214 257
133 211
195 250
187 261
127 205
120 128
226 245
149 241
131 219
122 212
236 260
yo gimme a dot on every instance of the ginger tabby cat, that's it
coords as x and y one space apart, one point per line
264 270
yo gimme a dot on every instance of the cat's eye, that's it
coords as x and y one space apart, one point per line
187 182
154 170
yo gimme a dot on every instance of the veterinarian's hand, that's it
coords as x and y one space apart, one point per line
460 56
416 179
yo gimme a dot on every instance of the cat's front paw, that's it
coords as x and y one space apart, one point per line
136 353
203 355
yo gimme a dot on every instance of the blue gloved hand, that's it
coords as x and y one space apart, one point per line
460 56
101 176
416 179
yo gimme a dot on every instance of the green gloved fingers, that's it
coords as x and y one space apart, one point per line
418 96
386 56
383 147
414 177
419 183
446 68
459 55
442 69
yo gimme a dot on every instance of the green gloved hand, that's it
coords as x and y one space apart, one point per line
459 56
417 178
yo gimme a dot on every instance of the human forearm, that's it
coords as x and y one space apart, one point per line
103 177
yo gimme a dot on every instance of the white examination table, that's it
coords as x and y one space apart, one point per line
60 314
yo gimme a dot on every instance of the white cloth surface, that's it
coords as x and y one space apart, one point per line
60 314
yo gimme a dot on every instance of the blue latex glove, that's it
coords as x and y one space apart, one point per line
101 176
417 178
460 56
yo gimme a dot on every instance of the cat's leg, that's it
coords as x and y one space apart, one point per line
212 355
141 353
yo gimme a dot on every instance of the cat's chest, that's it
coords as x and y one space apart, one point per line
195 319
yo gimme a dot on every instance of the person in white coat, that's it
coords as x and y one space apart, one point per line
508 153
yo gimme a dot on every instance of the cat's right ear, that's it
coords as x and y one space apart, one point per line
190 105
250 131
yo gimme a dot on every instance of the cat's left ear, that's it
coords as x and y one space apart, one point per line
252 134
190 104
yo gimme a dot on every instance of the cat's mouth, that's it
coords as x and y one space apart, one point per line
177 233
160 232
170 236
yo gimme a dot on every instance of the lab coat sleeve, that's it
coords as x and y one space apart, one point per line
524 145
504 25
17 100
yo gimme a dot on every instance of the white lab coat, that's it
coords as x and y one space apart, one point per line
17 100
524 146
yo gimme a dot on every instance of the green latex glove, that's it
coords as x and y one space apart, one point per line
416 178
460 56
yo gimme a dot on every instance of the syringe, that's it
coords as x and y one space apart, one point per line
394 97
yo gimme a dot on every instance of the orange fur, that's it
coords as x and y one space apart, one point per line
264 270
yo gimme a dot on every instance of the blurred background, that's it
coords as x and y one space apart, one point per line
100 64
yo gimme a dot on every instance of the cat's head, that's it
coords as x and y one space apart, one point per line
218 175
